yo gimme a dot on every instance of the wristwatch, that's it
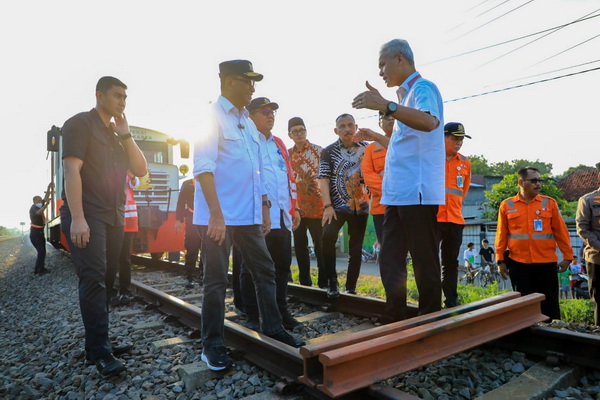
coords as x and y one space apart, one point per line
266 203
124 137
391 108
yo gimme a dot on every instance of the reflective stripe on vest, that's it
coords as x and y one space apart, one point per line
523 236
510 203
542 236
545 202
457 192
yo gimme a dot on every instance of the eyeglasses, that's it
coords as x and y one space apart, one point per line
249 82
535 181
301 131
267 111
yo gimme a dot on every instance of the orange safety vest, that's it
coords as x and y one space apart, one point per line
131 216
372 165
531 231
458 180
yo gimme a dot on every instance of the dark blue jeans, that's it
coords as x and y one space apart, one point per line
192 244
91 267
252 245
357 224
313 225
36 235
279 244
410 229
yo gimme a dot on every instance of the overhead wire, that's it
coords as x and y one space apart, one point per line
522 85
539 38
564 51
494 19
507 41
550 72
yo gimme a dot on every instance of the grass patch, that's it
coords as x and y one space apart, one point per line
579 311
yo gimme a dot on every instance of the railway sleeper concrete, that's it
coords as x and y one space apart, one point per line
538 382
194 375
171 342
154 325
191 297
129 313
272 395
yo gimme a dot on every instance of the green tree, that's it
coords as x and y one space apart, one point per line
510 167
480 166
509 186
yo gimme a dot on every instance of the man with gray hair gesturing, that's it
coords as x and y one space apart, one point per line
413 185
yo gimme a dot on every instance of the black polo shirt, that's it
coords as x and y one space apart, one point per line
185 202
34 217
104 166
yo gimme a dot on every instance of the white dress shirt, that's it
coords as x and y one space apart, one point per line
230 150
275 178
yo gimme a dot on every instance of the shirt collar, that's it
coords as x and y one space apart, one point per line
306 144
405 84
229 108
519 198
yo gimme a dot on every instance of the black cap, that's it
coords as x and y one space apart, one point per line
259 102
295 122
239 67
456 129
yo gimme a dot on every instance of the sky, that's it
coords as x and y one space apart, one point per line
315 56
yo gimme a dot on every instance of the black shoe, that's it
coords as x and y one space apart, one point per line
109 366
116 351
125 298
115 300
189 284
290 323
288 339
385 319
252 323
333 290
44 272
216 358
351 291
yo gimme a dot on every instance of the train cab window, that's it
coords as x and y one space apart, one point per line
154 152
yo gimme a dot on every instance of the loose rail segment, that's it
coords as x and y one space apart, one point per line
347 363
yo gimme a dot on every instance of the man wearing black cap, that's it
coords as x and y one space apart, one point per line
304 157
450 218
231 204
281 190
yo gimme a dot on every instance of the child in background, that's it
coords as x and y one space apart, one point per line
470 255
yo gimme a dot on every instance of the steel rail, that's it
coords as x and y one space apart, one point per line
344 368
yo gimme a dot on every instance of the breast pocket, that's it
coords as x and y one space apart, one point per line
515 224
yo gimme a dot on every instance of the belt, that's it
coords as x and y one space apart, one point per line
37 226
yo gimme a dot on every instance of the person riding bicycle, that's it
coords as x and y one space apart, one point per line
470 255
487 255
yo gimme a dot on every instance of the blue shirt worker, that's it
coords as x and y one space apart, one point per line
97 151
231 203
413 185
281 190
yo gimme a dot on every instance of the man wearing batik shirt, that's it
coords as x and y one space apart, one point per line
346 200
304 157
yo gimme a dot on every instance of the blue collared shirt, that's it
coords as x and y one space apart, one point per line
276 181
230 150
414 165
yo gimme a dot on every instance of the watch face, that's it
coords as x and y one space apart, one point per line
392 107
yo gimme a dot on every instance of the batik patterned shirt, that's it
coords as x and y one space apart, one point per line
305 164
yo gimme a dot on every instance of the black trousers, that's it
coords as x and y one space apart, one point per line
378 224
357 224
450 236
593 286
236 266
313 225
192 243
36 235
536 278
91 266
279 244
410 229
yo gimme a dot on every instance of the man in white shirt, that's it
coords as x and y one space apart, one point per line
413 185
231 204
281 191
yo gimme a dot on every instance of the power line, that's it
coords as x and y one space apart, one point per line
490 9
564 51
498 17
523 85
539 38
549 72
507 41
478 15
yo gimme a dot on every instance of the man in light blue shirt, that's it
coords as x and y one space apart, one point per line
281 190
413 185
231 204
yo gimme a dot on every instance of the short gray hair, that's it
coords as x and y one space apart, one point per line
395 47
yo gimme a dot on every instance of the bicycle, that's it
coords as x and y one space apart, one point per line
482 276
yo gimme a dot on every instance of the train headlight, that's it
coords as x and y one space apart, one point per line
184 169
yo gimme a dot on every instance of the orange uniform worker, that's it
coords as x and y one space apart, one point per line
372 168
530 227
450 219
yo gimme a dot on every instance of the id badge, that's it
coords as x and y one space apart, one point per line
459 181
537 225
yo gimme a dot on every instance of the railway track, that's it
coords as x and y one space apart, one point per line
333 366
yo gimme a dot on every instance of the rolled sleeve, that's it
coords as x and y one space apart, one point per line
426 99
